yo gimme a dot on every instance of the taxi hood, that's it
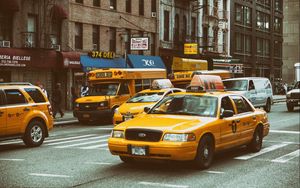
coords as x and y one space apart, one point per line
166 122
134 108
91 99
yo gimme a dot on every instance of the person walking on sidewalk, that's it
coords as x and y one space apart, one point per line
56 100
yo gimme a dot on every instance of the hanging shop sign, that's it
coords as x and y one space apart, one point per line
139 43
236 68
100 54
190 48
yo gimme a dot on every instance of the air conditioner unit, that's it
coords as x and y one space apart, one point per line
56 47
95 46
153 14
5 44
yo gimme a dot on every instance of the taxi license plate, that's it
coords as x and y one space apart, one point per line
138 150
126 118
86 115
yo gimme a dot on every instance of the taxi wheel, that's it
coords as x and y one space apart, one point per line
126 159
290 107
205 152
267 108
35 134
256 143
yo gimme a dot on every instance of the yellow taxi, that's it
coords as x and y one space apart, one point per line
146 98
25 113
191 125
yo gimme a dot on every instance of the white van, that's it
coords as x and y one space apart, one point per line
258 90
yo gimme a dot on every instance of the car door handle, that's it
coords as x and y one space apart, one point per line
26 109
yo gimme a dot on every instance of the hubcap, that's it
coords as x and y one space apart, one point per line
257 138
36 133
205 152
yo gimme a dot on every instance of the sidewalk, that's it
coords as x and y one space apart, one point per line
67 119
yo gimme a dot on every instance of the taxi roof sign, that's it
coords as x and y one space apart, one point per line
161 84
202 83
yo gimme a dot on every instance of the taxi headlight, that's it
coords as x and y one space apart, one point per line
103 104
179 137
117 134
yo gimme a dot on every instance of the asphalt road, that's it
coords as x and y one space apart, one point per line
77 155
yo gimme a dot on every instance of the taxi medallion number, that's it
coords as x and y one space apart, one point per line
138 150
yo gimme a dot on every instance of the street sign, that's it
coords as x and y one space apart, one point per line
190 48
139 43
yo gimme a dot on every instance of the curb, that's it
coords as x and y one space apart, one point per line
65 122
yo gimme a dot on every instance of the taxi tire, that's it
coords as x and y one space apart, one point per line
290 107
39 127
267 108
126 159
206 142
256 142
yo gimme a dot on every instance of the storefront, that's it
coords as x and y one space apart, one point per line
140 61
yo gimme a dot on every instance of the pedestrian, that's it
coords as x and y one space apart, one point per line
74 95
285 86
57 100
84 90
43 89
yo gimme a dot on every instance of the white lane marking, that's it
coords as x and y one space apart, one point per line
263 151
104 128
11 142
282 131
68 138
98 163
94 147
65 122
287 157
2 159
80 144
49 175
283 120
274 141
76 140
162 184
214 172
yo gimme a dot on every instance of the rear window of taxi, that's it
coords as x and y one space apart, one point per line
36 95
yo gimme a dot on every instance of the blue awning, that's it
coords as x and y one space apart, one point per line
140 61
89 63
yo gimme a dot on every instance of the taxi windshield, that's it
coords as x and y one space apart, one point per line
236 85
146 97
187 105
104 89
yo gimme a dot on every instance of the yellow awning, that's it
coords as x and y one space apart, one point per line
184 64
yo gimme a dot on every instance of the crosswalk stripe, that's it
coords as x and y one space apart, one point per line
94 147
287 157
11 142
82 139
68 138
80 144
263 151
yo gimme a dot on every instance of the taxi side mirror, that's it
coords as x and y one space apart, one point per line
227 113
146 109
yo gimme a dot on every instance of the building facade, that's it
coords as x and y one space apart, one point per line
256 35
291 39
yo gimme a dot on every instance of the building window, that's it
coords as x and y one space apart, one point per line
141 7
153 5
262 47
277 49
113 4
247 44
128 6
243 43
96 37
243 15
278 5
194 29
184 32
30 35
96 3
78 35
5 26
238 42
79 1
166 25
264 2
262 21
176 29
112 42
277 25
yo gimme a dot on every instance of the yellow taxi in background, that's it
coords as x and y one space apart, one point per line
191 125
146 98
25 113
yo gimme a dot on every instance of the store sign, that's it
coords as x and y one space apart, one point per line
139 43
236 68
190 48
100 54
14 60
68 62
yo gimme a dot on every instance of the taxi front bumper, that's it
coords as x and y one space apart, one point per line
181 151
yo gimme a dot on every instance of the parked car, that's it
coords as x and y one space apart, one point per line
25 113
293 97
256 89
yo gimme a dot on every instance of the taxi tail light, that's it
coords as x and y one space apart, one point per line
50 109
